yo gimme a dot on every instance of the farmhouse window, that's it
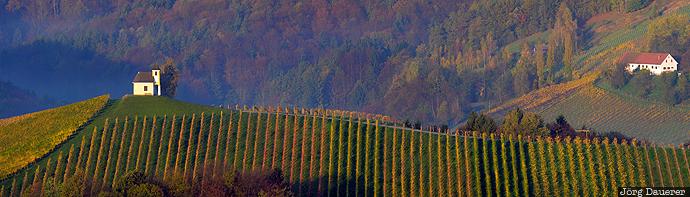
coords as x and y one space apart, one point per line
146 88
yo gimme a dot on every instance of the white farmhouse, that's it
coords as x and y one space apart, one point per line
656 63
147 83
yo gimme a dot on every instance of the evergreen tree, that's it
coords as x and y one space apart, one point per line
169 78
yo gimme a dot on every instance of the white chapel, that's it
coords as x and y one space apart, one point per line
147 83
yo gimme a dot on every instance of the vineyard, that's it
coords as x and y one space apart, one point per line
544 97
606 111
23 140
323 152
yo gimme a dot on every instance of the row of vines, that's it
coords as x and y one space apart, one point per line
340 154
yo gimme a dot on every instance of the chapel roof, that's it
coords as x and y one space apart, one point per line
143 77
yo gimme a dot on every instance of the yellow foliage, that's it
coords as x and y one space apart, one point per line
26 138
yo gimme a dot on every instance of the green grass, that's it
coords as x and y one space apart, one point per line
28 137
424 165
152 105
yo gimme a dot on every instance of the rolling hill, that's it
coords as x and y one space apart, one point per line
26 138
324 152
583 103
598 108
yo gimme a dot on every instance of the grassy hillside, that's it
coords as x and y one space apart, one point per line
28 137
328 152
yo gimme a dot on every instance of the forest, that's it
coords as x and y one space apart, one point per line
434 61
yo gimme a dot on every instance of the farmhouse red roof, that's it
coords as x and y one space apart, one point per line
649 58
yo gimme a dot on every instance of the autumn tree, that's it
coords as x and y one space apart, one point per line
524 73
169 77
524 123
566 26
480 122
